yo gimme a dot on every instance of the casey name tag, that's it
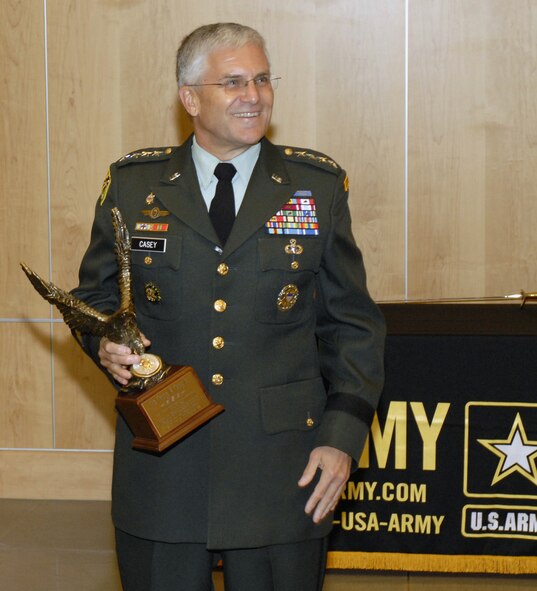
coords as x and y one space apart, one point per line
148 244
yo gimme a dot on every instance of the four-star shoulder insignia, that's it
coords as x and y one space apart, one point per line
317 158
147 155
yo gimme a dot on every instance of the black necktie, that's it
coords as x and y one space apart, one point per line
222 209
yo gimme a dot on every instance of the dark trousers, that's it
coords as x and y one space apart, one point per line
146 565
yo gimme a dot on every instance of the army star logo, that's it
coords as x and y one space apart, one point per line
516 453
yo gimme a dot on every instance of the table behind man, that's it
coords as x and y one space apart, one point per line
276 320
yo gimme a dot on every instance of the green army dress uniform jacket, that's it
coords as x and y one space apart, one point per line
289 342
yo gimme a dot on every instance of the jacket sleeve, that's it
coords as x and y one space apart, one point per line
98 284
351 334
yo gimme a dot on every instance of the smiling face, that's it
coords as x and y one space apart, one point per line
226 124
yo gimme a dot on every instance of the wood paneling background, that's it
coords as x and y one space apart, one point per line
472 147
428 104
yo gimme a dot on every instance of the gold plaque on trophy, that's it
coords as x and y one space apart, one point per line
162 403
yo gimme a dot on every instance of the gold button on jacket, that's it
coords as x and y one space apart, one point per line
218 342
217 379
222 269
220 305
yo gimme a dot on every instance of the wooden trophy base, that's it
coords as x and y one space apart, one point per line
168 411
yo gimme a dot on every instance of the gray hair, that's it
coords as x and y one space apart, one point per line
196 46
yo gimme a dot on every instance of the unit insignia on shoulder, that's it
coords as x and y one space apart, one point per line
318 158
106 185
147 155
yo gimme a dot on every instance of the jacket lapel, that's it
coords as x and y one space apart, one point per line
268 189
179 191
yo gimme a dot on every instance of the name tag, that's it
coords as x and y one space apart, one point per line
148 244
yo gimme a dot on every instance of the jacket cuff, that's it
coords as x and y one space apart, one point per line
346 424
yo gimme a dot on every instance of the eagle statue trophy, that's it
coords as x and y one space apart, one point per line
119 327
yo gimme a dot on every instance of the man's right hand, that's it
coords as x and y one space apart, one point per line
116 359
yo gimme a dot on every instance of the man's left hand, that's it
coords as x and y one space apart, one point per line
335 466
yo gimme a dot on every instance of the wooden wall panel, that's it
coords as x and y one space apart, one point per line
471 148
55 475
511 132
85 136
85 121
83 397
447 149
150 111
26 419
23 202
360 80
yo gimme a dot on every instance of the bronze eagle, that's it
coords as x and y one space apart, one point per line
119 327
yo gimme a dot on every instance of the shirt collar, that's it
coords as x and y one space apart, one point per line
205 163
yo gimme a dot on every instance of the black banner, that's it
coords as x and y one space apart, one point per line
448 479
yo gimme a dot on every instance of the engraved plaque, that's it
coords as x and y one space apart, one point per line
174 405
168 411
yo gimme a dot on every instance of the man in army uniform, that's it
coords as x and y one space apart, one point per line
270 308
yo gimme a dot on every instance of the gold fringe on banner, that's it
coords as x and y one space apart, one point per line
442 563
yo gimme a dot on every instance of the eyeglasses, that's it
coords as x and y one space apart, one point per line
238 84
